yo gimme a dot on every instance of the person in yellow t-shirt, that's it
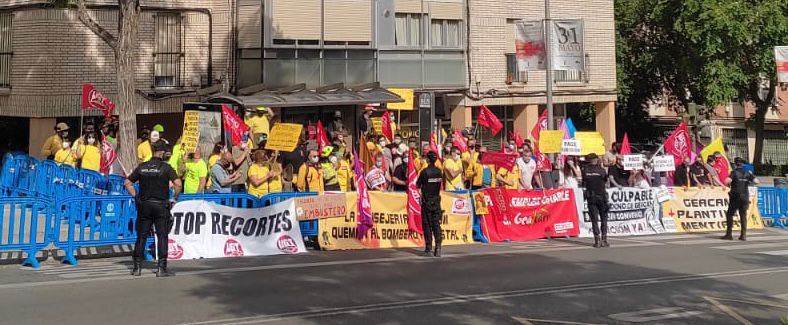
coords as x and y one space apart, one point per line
471 165
259 175
310 175
509 179
345 172
89 153
65 155
216 154
453 172
144 152
260 122
54 143
275 165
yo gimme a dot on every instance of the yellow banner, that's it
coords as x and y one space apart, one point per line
191 130
591 142
550 141
377 125
406 94
284 137
703 210
390 215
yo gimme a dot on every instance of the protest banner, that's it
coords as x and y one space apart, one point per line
284 137
700 210
500 160
550 140
204 229
632 212
591 142
570 147
633 162
390 227
191 130
664 164
528 215
321 206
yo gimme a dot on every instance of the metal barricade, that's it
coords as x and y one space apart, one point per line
770 204
308 228
46 175
25 225
116 186
94 221
235 200
92 182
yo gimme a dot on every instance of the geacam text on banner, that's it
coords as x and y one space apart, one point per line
204 229
632 212
527 215
390 216
700 210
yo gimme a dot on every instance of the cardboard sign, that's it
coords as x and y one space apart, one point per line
571 147
591 142
321 206
633 162
550 141
284 137
191 130
664 163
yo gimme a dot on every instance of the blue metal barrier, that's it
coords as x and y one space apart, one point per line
116 185
94 221
309 227
235 200
91 182
46 174
25 225
772 204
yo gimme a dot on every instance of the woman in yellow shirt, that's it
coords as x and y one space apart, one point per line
65 155
345 172
89 153
259 174
275 165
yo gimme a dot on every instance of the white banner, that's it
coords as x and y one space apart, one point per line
781 59
567 45
530 46
633 162
203 229
571 147
664 164
632 212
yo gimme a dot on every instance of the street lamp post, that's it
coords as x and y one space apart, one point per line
548 50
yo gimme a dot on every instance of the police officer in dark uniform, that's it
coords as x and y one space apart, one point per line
429 182
594 179
739 197
153 206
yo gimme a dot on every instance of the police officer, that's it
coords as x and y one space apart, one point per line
594 179
153 207
429 182
739 182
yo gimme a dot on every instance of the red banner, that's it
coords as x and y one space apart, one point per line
518 139
625 148
459 141
540 125
414 197
233 124
678 144
489 120
108 155
499 159
527 215
322 138
386 126
93 99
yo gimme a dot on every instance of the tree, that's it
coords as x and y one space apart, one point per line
709 52
123 46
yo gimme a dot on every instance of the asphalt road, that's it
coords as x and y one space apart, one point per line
669 279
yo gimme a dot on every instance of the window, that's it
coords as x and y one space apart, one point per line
169 51
735 141
407 30
512 75
5 50
445 33
568 75
774 144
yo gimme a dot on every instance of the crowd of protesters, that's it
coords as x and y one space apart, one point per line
249 167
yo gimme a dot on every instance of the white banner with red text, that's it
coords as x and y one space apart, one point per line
632 212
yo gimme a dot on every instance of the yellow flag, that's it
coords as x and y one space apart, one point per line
714 146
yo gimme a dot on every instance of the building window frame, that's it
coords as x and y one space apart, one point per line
6 49
512 74
408 33
169 56
442 42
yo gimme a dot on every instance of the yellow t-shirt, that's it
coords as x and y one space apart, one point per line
144 151
473 170
52 145
511 176
259 171
211 161
454 183
91 157
258 124
275 183
67 157
345 175
311 180
422 164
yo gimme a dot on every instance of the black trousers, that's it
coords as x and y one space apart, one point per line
156 214
431 215
741 206
597 209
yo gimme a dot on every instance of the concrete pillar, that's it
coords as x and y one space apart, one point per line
40 130
525 118
606 121
461 117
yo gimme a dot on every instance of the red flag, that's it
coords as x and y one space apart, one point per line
414 198
434 145
500 160
625 149
459 141
108 155
542 162
93 99
518 139
364 207
722 166
541 124
322 138
386 127
234 125
489 120
678 144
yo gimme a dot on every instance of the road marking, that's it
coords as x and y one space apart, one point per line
783 296
711 241
528 321
456 299
748 246
728 311
775 253
655 314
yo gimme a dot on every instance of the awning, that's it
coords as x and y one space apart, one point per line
299 96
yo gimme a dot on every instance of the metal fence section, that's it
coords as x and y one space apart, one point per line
235 200
773 204
25 225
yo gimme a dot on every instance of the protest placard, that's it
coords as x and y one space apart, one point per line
284 137
633 162
550 141
664 163
191 130
570 147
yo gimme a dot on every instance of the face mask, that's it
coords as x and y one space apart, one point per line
382 143
456 156
91 141
333 159
66 145
315 160
379 164
571 163
397 141
405 160
511 147
243 146
412 145
64 134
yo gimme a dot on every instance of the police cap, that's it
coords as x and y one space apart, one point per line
159 146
